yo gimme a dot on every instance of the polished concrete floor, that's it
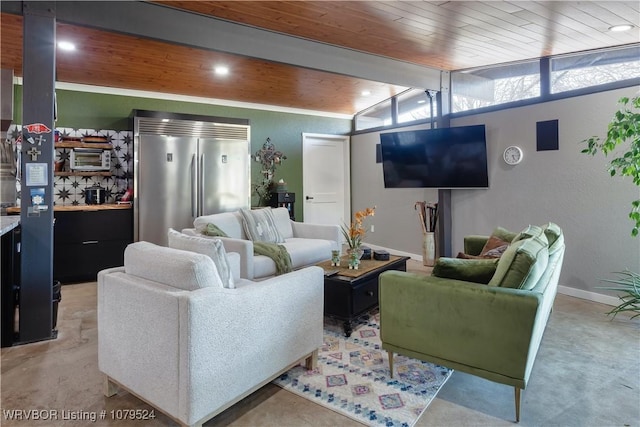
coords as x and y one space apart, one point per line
587 373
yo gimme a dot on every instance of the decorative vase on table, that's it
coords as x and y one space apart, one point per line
353 236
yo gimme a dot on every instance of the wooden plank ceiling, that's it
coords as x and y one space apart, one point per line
440 34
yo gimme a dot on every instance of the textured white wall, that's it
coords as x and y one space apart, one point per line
564 186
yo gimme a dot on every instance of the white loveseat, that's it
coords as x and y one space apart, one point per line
307 244
170 333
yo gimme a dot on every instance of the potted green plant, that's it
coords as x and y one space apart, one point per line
628 283
624 132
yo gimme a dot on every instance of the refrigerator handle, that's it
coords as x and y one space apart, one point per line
202 189
194 185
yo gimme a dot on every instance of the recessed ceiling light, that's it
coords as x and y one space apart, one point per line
619 28
66 46
165 120
221 70
422 101
366 92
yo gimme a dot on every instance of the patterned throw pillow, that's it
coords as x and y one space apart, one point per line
504 234
260 225
493 248
492 243
207 246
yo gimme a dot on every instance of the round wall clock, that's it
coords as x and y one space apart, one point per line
512 155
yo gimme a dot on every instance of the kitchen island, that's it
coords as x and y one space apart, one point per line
8 223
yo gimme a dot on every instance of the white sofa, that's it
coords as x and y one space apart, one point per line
171 334
307 244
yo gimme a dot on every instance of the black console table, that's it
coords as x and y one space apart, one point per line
283 200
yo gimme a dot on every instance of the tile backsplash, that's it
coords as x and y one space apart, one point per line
69 190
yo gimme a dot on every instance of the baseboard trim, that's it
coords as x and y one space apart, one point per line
588 295
565 290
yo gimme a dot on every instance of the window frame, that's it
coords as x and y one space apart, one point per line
545 94
545 86
394 115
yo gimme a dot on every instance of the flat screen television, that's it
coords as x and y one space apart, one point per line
435 158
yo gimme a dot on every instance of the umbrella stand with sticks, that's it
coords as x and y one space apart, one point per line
428 216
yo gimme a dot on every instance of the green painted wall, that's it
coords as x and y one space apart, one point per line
83 110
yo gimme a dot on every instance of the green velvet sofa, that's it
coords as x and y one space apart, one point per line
485 317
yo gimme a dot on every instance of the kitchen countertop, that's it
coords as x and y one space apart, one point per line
71 208
8 223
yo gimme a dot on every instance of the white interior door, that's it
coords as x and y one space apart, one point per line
325 178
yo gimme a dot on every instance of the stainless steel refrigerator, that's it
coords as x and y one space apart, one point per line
187 166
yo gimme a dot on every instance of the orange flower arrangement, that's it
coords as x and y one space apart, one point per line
355 233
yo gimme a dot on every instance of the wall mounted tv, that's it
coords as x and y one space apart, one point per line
435 158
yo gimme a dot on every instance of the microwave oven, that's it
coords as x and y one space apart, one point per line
90 159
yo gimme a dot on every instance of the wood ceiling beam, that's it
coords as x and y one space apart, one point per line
189 29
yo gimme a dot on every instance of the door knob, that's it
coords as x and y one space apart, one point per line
309 198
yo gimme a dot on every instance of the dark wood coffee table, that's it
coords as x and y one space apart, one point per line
350 294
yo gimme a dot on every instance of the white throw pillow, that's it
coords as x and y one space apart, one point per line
213 248
283 222
260 226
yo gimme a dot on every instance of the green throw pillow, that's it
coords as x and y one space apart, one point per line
530 231
469 270
522 264
554 236
213 230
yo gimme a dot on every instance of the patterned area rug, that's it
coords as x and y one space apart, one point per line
352 378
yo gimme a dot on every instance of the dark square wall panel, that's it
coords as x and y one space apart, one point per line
547 135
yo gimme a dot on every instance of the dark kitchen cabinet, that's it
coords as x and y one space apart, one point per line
86 242
9 283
